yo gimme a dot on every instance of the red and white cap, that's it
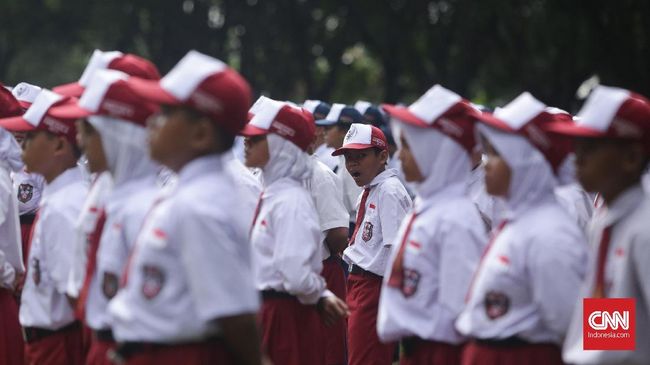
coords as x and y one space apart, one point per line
610 112
108 93
289 122
26 93
203 83
532 119
113 60
38 117
9 106
443 110
362 136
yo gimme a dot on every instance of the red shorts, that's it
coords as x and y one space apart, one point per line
291 332
200 353
418 352
476 353
60 348
364 347
11 337
335 350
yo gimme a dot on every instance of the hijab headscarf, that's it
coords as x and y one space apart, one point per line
285 160
10 151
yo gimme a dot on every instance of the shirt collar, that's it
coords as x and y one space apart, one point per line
68 176
200 166
628 201
383 176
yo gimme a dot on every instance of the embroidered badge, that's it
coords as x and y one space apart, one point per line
25 192
37 271
496 304
110 283
410 283
153 281
367 231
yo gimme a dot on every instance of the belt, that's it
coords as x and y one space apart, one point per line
104 335
274 294
27 218
33 334
512 341
357 270
126 350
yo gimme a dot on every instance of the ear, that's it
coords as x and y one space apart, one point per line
383 156
634 158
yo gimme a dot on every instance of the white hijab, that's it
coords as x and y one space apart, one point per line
532 180
285 160
441 160
10 151
125 147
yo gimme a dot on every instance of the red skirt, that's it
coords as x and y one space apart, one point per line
61 348
99 351
11 337
364 347
200 353
291 332
335 335
476 353
419 352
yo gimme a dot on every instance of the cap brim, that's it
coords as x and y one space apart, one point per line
72 89
69 111
352 146
324 122
492 121
574 130
16 124
252 131
403 114
152 91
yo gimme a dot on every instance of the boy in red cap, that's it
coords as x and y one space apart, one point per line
612 143
187 293
381 208
11 262
286 238
52 336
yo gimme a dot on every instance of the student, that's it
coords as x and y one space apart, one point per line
522 293
113 60
12 269
322 151
187 293
114 139
52 336
612 135
336 124
381 208
285 236
440 243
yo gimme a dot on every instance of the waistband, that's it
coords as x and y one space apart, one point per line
33 334
27 218
126 350
513 341
358 270
275 294
410 344
105 335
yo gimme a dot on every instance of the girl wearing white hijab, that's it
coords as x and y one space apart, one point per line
522 295
439 244
286 237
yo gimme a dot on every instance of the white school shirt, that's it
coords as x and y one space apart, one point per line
528 280
442 251
84 226
285 240
386 206
327 193
351 191
44 304
627 275
576 202
484 202
248 185
126 207
28 187
324 154
11 258
190 264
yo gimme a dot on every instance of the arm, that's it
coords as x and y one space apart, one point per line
392 210
242 337
337 239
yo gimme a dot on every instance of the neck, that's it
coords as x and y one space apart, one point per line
56 172
612 194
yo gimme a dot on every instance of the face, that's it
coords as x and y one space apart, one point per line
19 136
90 143
334 136
170 137
256 152
38 149
409 166
497 171
320 136
364 165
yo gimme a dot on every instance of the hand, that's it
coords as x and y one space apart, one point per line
19 281
266 360
332 309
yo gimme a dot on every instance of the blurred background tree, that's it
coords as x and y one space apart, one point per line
341 51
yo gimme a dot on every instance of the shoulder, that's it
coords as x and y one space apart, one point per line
392 189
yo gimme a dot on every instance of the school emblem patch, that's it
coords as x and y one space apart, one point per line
25 192
367 231
496 304
109 285
36 273
410 283
153 281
